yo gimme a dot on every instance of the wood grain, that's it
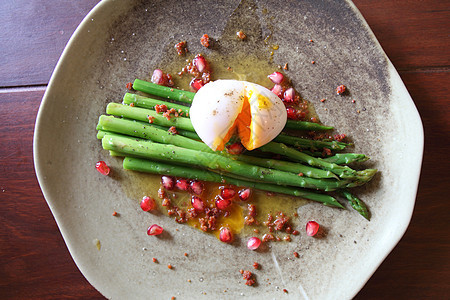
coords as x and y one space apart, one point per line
34 261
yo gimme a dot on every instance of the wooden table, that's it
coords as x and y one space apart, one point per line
34 261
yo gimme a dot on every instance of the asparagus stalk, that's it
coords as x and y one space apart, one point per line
144 102
142 114
146 131
187 97
346 158
143 165
160 152
163 91
356 204
184 123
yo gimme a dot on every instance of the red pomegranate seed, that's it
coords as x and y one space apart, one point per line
277 90
289 95
197 203
311 228
222 203
196 84
227 193
253 243
102 167
291 113
197 187
148 203
159 77
276 77
245 194
154 230
200 63
182 184
340 89
235 148
225 235
167 182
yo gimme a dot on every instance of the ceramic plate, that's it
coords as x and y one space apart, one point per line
123 40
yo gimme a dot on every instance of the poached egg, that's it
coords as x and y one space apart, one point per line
224 108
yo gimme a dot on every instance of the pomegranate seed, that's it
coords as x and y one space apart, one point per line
227 193
291 113
196 84
200 63
148 203
253 243
222 203
245 194
311 228
225 235
277 90
197 187
159 77
276 77
340 89
235 148
182 184
289 95
102 167
167 182
197 203
154 230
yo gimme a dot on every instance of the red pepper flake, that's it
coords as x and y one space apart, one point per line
115 213
150 119
173 130
296 254
241 271
358 111
340 89
241 35
248 276
256 266
326 152
132 104
170 266
160 108
311 41
285 66
129 86
173 298
295 232
313 62
322 100
154 260
353 101
185 254
204 40
181 48
301 174
285 291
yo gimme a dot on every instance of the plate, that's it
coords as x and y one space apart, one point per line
122 40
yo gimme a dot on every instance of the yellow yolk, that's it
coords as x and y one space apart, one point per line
224 108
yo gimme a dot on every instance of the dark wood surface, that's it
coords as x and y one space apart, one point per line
34 261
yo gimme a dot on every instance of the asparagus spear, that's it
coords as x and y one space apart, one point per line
187 97
156 151
356 204
146 131
346 158
142 114
163 91
144 102
143 165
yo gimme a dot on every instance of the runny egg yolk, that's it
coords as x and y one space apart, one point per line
224 108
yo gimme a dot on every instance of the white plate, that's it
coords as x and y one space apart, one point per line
122 40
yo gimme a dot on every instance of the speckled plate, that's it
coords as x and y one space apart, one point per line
122 40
